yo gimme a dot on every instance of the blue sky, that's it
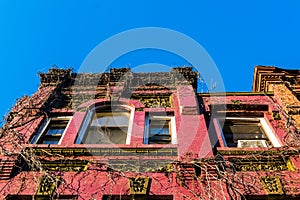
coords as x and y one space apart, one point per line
34 35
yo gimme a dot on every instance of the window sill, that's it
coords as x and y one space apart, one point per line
251 150
104 145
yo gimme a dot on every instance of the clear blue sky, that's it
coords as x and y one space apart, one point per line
238 35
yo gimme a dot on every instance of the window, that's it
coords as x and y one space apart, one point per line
106 125
141 197
40 197
51 131
247 132
160 130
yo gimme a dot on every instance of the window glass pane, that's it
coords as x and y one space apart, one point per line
160 140
56 131
53 132
107 128
159 127
102 135
159 131
110 120
235 130
53 140
57 127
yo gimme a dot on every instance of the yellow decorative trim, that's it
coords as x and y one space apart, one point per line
262 164
48 185
140 165
65 165
106 151
276 115
290 165
155 101
263 152
272 184
139 185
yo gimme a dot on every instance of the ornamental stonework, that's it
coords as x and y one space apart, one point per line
139 185
258 164
48 184
106 151
272 184
143 165
65 165
155 101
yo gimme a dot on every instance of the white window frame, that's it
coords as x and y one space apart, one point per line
157 117
45 125
89 115
264 125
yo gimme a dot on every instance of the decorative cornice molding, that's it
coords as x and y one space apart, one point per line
262 164
106 151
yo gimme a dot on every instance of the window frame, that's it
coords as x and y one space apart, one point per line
88 118
267 131
45 126
172 128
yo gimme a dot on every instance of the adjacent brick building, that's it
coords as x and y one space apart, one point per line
125 135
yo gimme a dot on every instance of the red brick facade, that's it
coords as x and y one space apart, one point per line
67 141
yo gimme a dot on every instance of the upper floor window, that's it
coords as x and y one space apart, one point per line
106 125
51 131
40 197
129 197
247 132
160 130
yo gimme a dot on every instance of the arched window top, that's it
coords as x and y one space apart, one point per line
111 106
105 103
107 123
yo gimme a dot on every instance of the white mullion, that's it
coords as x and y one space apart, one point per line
66 128
84 126
269 133
129 129
173 131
